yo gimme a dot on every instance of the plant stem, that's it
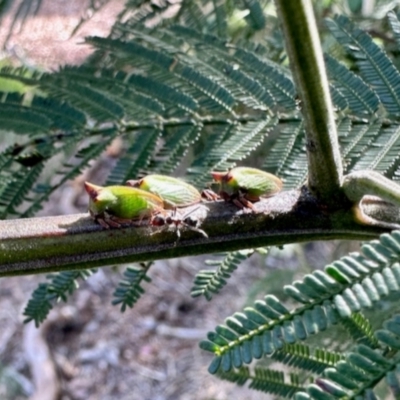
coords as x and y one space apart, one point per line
52 244
307 65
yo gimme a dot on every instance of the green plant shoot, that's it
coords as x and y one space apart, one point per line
175 192
243 185
112 205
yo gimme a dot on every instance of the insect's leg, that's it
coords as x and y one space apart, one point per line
241 202
176 220
103 223
117 222
194 228
245 203
101 219
210 195
187 217
225 196
141 216
243 198
109 221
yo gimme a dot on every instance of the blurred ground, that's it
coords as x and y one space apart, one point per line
150 352
44 40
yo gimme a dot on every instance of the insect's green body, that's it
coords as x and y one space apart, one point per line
251 181
175 192
122 202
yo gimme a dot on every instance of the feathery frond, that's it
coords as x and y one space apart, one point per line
234 144
360 98
209 282
349 285
18 118
177 143
264 380
356 140
358 373
61 285
129 289
375 66
82 96
302 356
136 158
395 25
18 186
382 153
139 12
360 330
68 170
287 157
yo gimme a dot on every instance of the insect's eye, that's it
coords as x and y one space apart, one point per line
158 221
168 220
190 221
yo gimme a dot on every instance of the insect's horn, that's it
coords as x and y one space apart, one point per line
218 176
133 182
92 190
